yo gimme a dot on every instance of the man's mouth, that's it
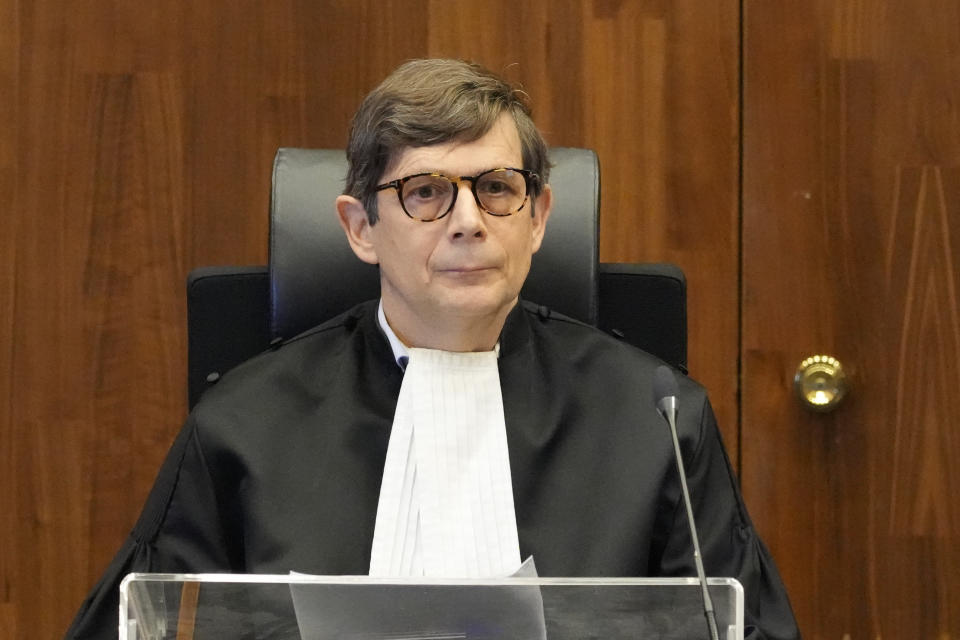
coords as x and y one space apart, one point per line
466 269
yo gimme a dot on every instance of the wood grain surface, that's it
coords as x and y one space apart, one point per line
136 142
851 218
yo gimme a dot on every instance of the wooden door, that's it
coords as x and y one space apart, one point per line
851 228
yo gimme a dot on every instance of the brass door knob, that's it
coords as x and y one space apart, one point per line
820 383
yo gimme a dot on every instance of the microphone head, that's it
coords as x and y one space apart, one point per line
664 384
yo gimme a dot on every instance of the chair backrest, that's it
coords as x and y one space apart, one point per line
235 312
314 275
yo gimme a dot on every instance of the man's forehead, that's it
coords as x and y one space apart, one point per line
500 146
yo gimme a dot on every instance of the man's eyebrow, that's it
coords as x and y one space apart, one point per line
456 174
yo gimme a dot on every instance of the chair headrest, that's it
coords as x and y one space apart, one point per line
315 276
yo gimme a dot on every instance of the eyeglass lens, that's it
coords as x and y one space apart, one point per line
500 192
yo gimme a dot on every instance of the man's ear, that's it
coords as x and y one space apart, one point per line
541 211
353 219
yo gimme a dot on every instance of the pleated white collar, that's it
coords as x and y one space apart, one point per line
446 499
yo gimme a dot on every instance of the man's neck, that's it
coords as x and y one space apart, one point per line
457 333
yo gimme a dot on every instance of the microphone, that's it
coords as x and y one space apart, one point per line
665 396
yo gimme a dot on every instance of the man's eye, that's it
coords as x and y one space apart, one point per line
425 191
496 188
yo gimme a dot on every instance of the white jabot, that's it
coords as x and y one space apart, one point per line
446 498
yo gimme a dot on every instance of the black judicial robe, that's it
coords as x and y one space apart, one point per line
278 468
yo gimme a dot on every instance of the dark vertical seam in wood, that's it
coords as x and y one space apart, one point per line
741 92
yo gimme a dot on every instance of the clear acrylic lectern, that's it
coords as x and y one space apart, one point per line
297 607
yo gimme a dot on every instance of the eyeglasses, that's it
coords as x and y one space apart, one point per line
431 196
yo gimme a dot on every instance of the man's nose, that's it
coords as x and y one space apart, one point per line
467 218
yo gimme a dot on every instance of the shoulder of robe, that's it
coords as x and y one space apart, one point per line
610 352
545 319
348 320
287 356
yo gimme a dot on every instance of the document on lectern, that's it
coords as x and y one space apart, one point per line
397 609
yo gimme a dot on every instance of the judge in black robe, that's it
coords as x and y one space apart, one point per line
278 468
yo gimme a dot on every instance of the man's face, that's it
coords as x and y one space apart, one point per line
464 268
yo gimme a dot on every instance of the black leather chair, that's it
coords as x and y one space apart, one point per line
236 312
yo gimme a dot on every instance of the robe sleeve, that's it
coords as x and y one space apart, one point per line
728 541
178 530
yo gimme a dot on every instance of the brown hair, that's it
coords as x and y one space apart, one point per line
425 102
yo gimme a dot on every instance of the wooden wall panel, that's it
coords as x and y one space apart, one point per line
9 88
141 146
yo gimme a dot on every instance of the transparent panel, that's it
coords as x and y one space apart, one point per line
203 606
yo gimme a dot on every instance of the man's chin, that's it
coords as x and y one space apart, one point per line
464 305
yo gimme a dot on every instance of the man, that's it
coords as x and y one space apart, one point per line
447 429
